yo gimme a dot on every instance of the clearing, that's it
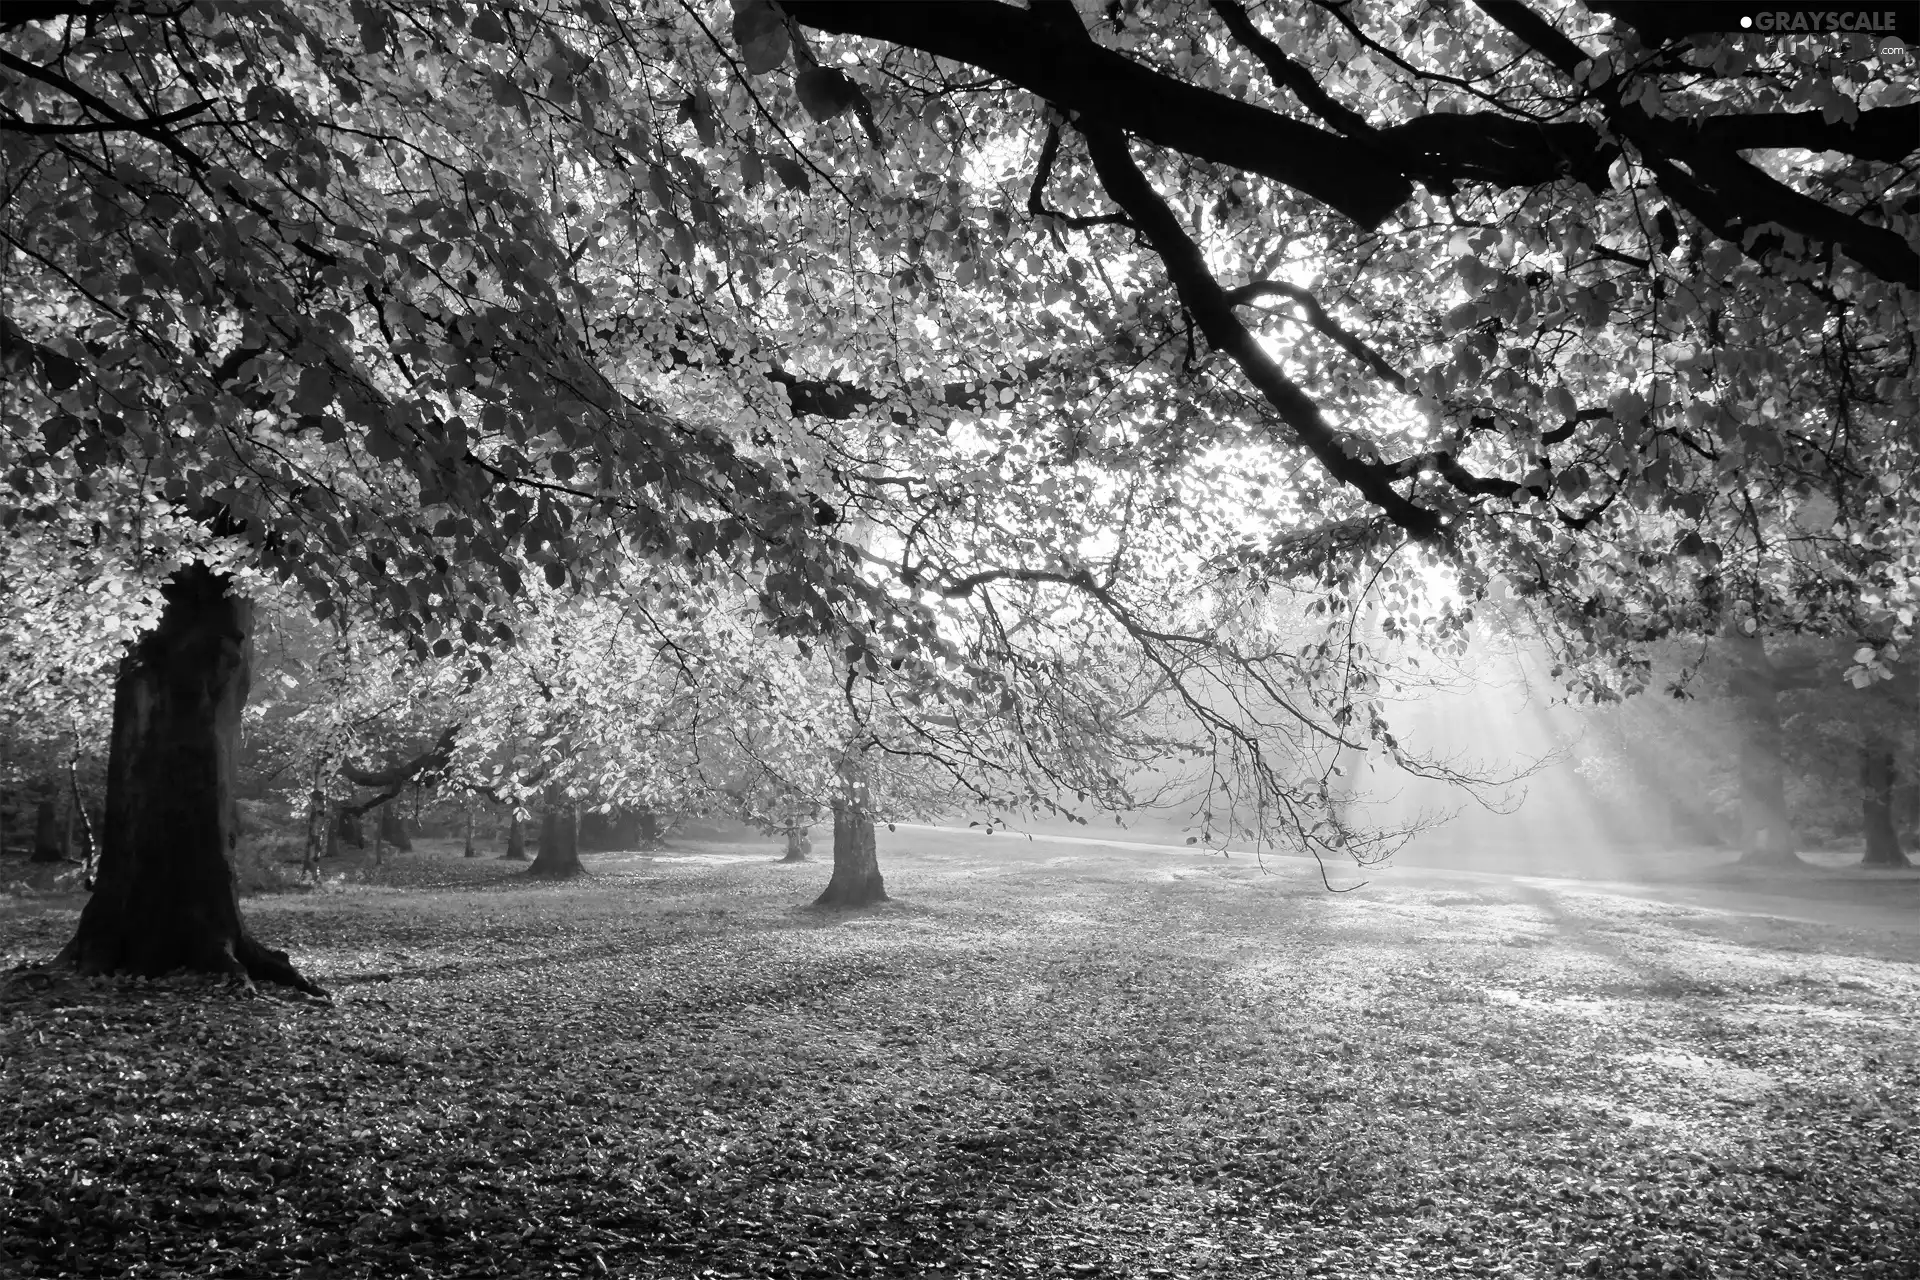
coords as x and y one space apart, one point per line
1046 1058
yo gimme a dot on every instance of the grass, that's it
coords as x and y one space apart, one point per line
1042 1060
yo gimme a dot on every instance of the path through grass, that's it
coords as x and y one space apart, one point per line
1043 1060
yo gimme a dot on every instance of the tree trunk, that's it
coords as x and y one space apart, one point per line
317 833
333 836
90 860
165 898
470 851
1766 830
46 832
798 845
559 855
649 829
393 828
856 880
1877 775
348 829
516 841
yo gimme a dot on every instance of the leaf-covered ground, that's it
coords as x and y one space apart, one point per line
1043 1060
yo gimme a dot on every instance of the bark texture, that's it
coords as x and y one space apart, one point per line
1877 777
165 897
516 841
856 880
559 855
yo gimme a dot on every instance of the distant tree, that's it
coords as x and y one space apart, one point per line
558 857
46 833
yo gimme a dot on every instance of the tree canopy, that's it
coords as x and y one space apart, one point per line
965 337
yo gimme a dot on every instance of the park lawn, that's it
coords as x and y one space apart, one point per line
1043 1059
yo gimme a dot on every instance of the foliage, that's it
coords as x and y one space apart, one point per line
895 319
1060 1061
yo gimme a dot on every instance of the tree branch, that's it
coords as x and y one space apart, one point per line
1726 194
1049 151
1212 308
11 123
1045 49
434 757
1317 316
145 127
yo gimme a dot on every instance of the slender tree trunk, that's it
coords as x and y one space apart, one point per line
470 851
856 880
90 857
317 833
516 840
1766 830
1877 776
649 829
46 832
349 830
165 898
379 839
559 855
333 835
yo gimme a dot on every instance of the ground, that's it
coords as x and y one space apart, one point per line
1044 1059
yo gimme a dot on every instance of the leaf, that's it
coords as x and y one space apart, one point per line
60 371
703 126
680 243
791 175
825 92
760 29
752 170
487 26
57 430
661 184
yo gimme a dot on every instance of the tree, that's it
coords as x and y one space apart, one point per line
211 305
558 857
1878 771
165 896
412 298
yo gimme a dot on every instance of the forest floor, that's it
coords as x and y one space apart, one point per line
1044 1059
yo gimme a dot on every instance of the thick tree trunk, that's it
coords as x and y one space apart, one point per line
559 855
46 833
393 828
856 880
165 898
1766 830
1877 776
516 841
348 829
